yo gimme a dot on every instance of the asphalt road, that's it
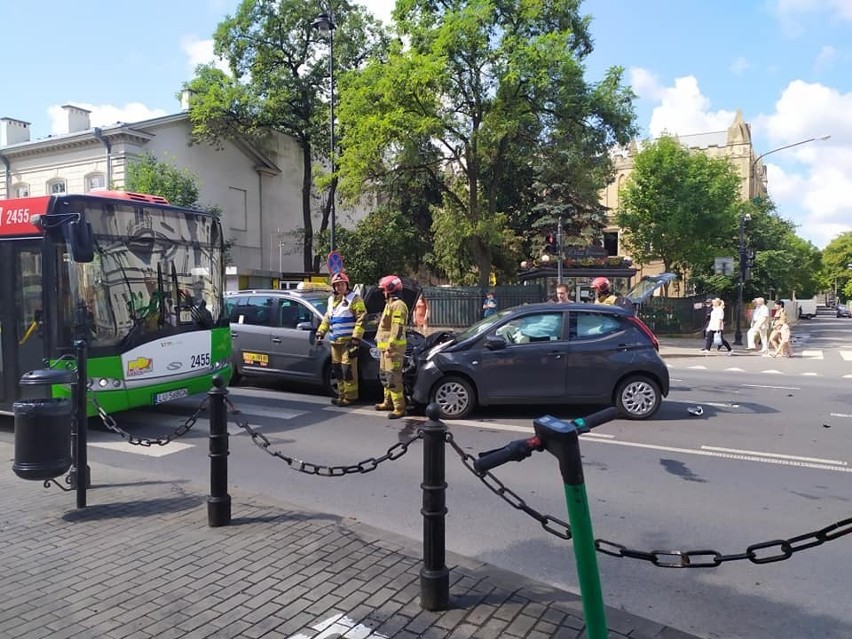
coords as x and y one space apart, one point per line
769 459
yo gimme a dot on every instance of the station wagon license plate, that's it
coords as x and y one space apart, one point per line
257 359
168 396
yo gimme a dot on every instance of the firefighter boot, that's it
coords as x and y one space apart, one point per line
398 405
387 403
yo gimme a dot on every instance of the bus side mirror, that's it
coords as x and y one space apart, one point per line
81 241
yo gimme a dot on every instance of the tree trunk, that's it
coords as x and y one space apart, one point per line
482 253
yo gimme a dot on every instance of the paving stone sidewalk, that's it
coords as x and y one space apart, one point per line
140 561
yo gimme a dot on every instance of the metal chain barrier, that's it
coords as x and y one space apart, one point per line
368 465
109 421
550 523
765 552
761 553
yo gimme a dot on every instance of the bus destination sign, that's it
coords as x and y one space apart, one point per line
15 215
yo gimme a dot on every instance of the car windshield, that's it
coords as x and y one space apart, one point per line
482 325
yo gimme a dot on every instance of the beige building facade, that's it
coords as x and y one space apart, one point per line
258 189
735 143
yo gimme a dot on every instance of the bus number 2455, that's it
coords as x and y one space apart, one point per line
201 360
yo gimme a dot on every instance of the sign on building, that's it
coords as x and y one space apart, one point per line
724 266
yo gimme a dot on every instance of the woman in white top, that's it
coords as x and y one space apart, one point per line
715 326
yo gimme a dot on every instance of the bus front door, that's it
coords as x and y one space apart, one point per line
22 345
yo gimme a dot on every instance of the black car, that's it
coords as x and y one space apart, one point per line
547 353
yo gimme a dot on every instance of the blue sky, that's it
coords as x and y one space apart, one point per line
785 63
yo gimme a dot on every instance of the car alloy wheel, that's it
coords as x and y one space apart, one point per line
638 397
454 397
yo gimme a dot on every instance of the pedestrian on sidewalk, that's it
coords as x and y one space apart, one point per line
489 307
759 326
421 315
715 328
785 345
779 317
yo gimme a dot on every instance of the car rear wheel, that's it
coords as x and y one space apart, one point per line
455 398
638 397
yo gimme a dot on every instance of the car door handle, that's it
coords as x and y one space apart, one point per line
276 340
233 336
558 354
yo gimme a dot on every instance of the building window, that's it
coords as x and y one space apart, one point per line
56 187
610 242
237 204
95 181
21 190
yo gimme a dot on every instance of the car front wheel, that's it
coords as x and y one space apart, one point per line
455 398
638 397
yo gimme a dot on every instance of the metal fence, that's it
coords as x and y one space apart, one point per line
676 315
459 307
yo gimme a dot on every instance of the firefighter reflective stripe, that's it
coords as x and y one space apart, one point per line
392 324
344 317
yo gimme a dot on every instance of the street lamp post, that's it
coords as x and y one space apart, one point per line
559 251
738 335
752 187
325 24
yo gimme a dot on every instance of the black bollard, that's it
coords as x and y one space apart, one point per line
219 502
79 475
434 575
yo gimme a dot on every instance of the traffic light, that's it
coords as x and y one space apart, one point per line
550 244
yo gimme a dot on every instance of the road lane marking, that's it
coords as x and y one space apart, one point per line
734 370
840 415
846 355
816 460
775 387
810 374
812 355
708 453
149 451
716 404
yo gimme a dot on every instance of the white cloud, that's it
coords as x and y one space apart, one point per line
102 114
790 9
817 178
826 58
201 52
380 8
682 109
739 66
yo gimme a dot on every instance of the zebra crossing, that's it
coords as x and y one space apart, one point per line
822 354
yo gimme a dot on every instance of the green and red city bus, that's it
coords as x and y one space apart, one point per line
147 277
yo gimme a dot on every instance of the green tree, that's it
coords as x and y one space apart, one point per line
384 242
783 264
146 174
837 265
679 206
279 81
491 85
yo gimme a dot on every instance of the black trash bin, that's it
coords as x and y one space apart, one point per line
43 428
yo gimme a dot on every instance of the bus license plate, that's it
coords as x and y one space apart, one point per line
258 359
168 396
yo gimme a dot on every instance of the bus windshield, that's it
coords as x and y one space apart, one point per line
155 271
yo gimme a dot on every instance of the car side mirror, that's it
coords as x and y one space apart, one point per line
305 326
494 342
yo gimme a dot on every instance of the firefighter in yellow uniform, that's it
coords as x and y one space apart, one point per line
345 317
391 342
